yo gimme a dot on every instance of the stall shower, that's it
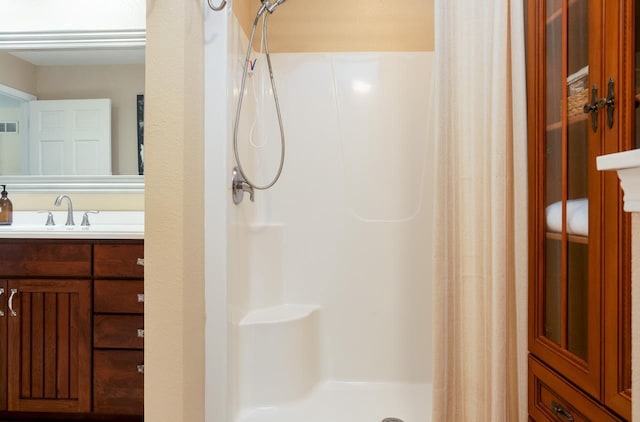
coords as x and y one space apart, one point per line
328 290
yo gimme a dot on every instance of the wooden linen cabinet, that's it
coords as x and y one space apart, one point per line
581 84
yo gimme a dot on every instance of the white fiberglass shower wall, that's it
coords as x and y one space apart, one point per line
325 291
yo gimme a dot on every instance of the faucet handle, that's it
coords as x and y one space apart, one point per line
50 221
85 218
239 186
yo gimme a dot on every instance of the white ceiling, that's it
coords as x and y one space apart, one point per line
79 57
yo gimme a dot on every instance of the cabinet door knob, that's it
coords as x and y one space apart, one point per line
140 332
140 369
593 108
11 311
609 102
140 297
140 262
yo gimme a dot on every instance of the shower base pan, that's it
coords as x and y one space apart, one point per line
353 402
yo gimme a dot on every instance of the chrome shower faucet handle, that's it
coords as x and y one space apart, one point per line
239 186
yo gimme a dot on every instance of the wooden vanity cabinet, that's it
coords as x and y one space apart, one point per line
582 103
71 330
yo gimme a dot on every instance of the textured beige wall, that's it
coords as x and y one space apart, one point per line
339 25
121 83
174 204
17 73
81 201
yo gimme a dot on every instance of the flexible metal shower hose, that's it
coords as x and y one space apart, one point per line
275 97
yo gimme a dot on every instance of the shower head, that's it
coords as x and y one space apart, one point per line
272 6
268 6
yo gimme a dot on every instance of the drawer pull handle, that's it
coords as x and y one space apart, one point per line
1 293
140 297
140 262
141 369
11 311
559 410
140 332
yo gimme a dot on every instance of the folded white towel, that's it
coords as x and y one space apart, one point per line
577 217
554 217
578 221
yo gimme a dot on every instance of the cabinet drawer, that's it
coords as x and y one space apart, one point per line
118 382
118 296
118 261
551 398
48 259
118 331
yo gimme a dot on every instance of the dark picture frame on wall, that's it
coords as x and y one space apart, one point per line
140 107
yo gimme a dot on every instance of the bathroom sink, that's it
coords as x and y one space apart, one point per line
105 225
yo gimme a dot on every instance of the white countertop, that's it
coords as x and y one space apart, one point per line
619 160
627 164
105 225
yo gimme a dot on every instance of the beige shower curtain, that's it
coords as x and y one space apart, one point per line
480 258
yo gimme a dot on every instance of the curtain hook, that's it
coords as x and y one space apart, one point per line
217 8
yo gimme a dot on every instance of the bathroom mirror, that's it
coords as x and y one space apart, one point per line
73 66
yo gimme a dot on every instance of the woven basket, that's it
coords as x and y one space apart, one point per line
577 91
576 102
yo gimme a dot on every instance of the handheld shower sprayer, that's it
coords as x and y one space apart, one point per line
271 7
241 183
268 6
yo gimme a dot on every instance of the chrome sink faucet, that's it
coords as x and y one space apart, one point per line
58 202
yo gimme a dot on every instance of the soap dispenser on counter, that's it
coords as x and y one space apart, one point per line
6 208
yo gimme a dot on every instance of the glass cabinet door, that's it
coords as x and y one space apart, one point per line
567 328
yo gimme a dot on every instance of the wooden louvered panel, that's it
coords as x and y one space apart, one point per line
47 357
63 357
51 364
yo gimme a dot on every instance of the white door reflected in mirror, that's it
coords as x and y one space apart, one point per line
70 137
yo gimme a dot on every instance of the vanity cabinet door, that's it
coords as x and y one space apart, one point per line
119 382
49 348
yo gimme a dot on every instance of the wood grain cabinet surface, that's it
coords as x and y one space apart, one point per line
118 261
49 353
71 330
118 336
582 103
551 398
118 381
